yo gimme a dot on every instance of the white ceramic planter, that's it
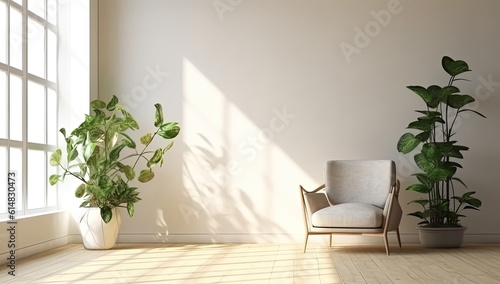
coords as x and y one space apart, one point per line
95 233
441 237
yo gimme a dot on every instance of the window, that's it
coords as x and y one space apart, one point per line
28 102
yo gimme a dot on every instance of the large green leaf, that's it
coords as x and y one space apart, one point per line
417 214
130 209
156 158
55 158
419 188
146 139
454 67
407 143
106 214
422 92
450 90
112 103
146 175
459 101
422 202
129 172
158 115
129 142
98 104
115 152
53 179
437 96
72 154
80 190
105 182
474 111
129 120
88 150
63 132
425 125
169 130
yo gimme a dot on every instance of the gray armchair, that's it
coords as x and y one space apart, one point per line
358 197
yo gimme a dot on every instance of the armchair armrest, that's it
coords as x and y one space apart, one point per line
392 210
313 201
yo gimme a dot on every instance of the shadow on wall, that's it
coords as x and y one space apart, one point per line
215 205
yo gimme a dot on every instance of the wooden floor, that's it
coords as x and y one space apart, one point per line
252 263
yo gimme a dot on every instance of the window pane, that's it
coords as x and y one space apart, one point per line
37 7
52 56
16 110
3 105
20 2
36 181
3 32
52 11
16 158
3 179
51 189
36 48
36 113
52 130
16 38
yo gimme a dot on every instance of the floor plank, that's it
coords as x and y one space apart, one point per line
258 263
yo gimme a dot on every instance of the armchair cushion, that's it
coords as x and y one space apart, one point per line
348 215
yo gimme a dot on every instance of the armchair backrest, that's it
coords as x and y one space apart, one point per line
364 181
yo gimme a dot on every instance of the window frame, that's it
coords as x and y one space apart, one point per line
23 191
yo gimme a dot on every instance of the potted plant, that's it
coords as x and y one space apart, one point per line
437 159
103 157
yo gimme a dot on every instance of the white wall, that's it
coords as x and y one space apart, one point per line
265 94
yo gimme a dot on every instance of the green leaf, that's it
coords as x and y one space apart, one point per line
80 190
53 179
129 120
72 154
63 132
158 115
422 202
112 103
55 158
115 152
168 147
407 143
459 101
88 150
425 125
98 104
146 139
157 156
106 214
99 112
422 92
419 188
471 110
129 142
437 96
130 209
169 130
146 175
449 90
454 67
105 182
417 214
129 172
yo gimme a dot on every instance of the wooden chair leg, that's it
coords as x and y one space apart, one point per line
331 239
399 238
386 242
305 245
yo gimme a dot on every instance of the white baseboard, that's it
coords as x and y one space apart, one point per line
406 238
34 249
